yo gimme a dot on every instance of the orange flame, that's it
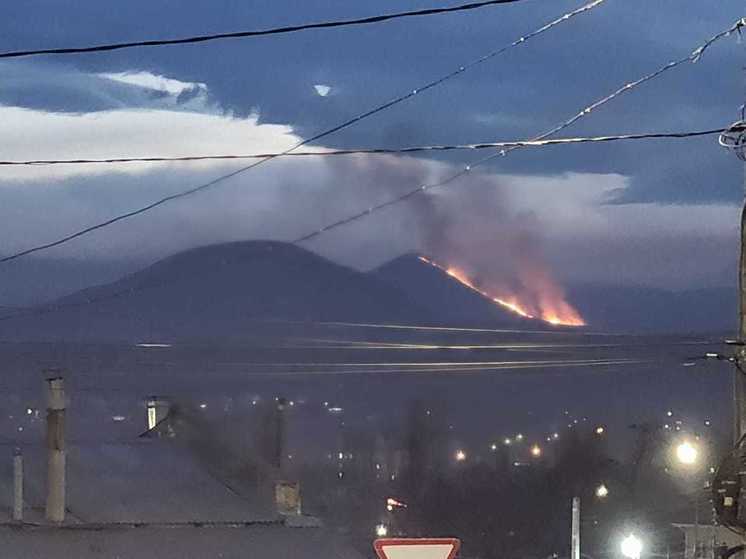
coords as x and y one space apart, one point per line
555 312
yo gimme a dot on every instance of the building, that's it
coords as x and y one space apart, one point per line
702 541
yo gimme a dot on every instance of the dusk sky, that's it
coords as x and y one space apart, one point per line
655 213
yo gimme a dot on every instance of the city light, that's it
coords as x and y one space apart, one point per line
382 530
536 451
600 430
519 437
460 455
686 453
493 447
632 547
602 491
507 441
555 436
391 502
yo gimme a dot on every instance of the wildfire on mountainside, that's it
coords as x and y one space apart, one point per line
549 307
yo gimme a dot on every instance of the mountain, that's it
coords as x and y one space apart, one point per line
604 307
429 287
222 291
214 292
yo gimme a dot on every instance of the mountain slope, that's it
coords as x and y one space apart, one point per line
217 291
430 288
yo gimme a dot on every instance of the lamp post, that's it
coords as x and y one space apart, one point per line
687 455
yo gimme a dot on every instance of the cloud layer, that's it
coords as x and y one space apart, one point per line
494 223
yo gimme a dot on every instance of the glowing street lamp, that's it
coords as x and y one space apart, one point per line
687 453
536 451
632 547
602 491
382 530
460 456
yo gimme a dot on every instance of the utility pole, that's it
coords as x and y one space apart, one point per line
739 379
575 538
279 433
55 510
17 485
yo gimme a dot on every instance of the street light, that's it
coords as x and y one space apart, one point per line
536 451
460 455
382 531
602 491
686 453
632 547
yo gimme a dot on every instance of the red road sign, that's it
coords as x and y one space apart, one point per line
416 548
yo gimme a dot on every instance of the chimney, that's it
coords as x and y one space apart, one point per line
55 510
158 409
287 498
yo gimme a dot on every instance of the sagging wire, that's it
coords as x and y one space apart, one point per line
693 57
325 133
254 33
373 151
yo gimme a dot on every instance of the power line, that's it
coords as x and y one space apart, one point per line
372 151
694 56
450 75
255 33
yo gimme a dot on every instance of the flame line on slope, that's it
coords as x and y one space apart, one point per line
515 308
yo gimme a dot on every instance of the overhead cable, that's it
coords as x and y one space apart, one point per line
372 151
255 32
694 56
452 74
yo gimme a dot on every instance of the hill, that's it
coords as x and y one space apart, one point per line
604 307
429 287
214 292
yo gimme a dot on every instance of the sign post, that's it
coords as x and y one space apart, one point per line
416 548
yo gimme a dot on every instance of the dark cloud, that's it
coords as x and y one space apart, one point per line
518 95
532 87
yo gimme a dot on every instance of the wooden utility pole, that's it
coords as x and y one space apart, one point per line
55 511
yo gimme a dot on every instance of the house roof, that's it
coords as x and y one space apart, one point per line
148 481
257 542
